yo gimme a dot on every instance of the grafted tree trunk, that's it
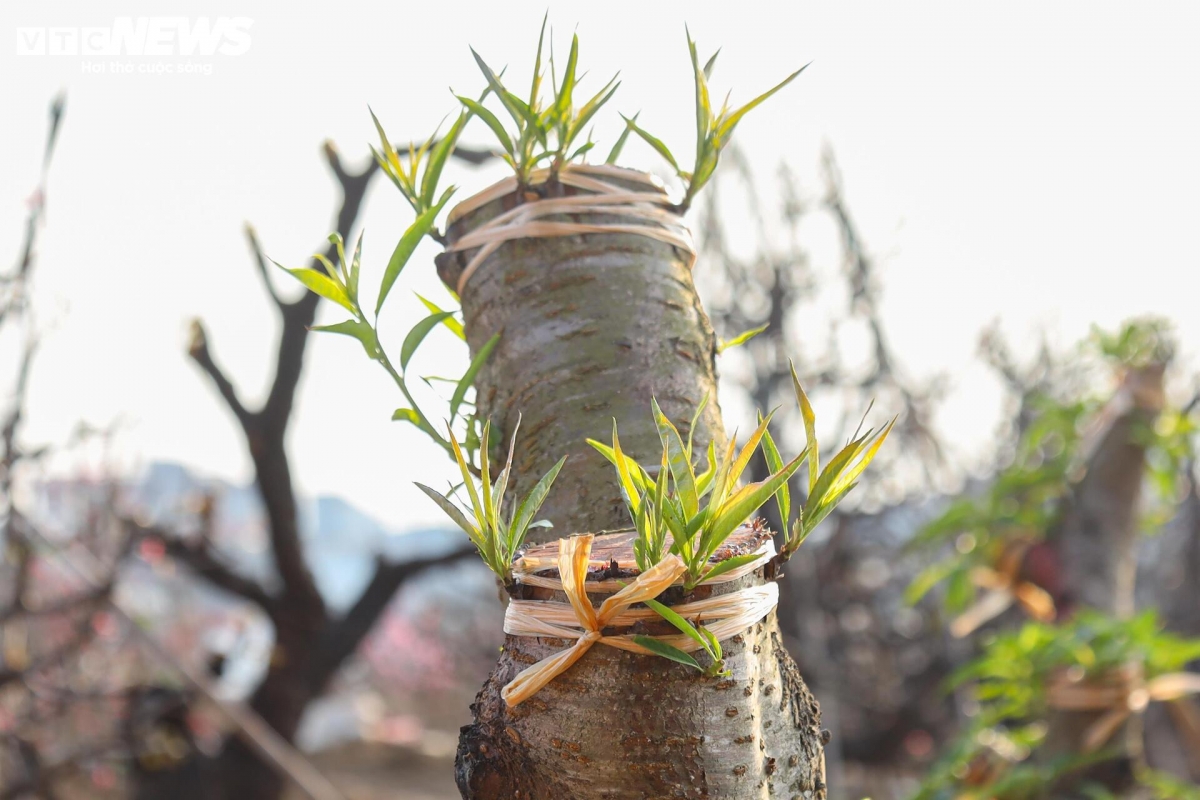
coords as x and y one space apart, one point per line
593 326
1096 548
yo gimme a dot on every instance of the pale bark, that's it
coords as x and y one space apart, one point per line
593 327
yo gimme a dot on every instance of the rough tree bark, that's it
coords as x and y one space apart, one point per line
594 326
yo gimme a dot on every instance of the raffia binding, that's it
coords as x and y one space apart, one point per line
724 615
1003 586
1120 695
646 212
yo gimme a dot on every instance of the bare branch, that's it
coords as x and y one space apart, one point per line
198 350
343 636
201 560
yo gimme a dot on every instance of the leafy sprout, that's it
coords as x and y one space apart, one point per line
714 129
701 635
418 179
340 284
700 510
498 533
544 129
1009 679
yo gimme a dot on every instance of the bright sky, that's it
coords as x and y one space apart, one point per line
1036 162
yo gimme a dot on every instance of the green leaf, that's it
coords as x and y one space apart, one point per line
694 421
497 87
628 487
492 122
851 475
810 430
617 147
358 329
726 125
453 325
417 335
536 84
321 284
681 466
454 513
533 501
438 158
407 244
728 565
468 481
673 617
824 484
502 480
747 452
661 648
741 338
562 103
641 478
738 508
592 106
712 62
713 646
653 142
774 463
407 415
468 378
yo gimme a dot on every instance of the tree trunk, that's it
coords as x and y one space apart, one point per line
593 326
1096 546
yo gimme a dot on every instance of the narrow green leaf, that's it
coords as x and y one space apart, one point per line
468 377
497 87
661 648
468 480
454 513
417 335
439 156
619 145
533 501
741 338
774 464
502 480
810 430
563 101
694 421
452 324
536 87
321 284
628 488
485 481
405 247
725 126
641 478
653 142
492 122
407 415
713 646
738 508
592 106
360 330
728 565
704 481
836 466
355 265
681 466
851 475
747 452
712 62
673 617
